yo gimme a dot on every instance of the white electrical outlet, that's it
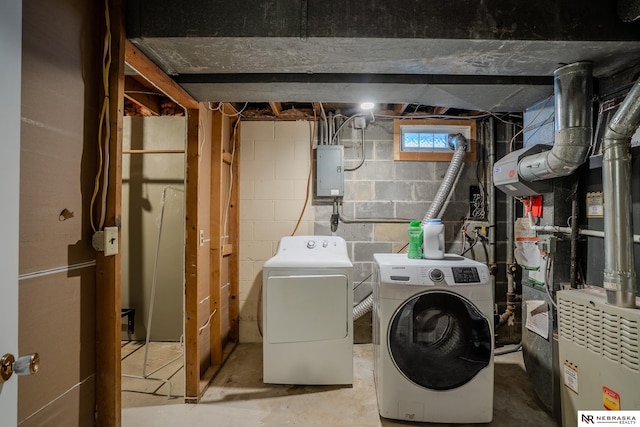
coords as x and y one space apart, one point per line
110 241
477 228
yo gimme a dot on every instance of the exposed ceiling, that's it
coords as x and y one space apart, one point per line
277 58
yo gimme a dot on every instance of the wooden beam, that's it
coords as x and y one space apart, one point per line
276 107
192 350
440 110
399 109
139 94
150 71
153 152
108 319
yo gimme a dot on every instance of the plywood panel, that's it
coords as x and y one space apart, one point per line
61 330
58 146
76 408
60 80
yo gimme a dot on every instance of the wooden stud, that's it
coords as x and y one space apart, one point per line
215 262
108 371
192 348
234 233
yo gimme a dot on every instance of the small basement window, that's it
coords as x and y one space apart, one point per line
428 139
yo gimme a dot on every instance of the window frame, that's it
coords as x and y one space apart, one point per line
432 156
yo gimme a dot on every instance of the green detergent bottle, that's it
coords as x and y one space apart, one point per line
415 240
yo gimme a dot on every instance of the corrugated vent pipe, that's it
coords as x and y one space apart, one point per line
460 143
573 89
619 270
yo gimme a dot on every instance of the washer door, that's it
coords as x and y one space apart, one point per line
439 340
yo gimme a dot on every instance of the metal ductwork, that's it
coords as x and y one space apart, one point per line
573 91
619 270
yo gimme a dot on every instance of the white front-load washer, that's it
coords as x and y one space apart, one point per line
307 297
433 339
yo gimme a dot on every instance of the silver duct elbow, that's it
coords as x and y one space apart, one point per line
573 91
619 270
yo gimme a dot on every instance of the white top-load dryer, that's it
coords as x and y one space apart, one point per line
307 296
433 339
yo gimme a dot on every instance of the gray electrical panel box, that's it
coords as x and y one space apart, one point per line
329 171
506 178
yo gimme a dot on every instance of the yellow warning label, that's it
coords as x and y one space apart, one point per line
610 399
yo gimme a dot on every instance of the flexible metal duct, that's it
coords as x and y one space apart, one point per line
619 270
460 144
573 91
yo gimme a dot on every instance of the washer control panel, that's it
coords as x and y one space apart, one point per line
451 271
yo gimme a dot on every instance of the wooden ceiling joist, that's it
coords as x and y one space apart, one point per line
139 94
146 68
276 107
399 109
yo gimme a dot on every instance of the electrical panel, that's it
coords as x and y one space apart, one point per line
330 171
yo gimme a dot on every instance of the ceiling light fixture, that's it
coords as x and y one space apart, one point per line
367 105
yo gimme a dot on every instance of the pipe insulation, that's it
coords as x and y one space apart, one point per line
453 171
619 270
573 89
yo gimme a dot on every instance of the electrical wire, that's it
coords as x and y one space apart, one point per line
359 165
221 110
103 122
233 138
333 137
475 241
307 196
547 276
529 125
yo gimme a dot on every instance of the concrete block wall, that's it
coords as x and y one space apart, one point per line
386 188
275 165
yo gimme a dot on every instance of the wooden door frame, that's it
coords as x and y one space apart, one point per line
108 269
200 120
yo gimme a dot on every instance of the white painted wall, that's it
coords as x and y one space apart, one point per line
274 164
10 77
144 178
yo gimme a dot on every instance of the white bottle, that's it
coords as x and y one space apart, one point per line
433 239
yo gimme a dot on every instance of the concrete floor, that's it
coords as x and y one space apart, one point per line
237 397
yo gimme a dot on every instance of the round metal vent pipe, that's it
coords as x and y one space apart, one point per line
573 93
619 270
